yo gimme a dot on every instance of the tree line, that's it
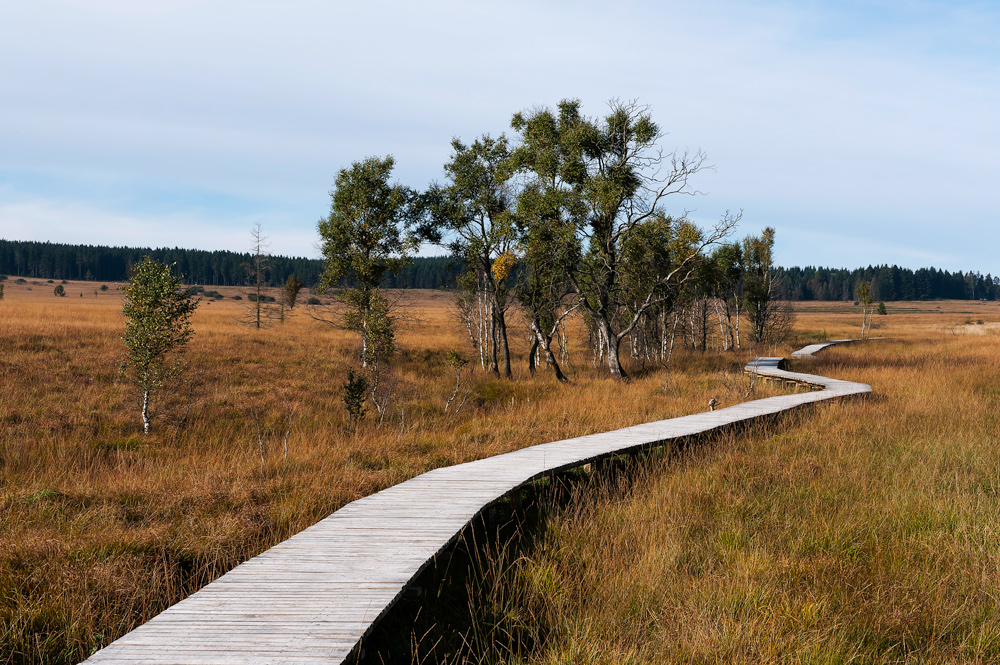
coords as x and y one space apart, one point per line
886 283
46 260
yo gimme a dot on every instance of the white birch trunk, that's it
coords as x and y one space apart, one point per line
145 412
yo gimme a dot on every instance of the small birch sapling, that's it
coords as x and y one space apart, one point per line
157 312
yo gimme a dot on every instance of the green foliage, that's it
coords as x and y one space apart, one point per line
368 314
728 258
456 361
758 289
473 217
44 495
291 290
313 300
606 179
130 442
656 247
363 241
362 236
1 291
157 314
881 308
353 392
59 290
864 293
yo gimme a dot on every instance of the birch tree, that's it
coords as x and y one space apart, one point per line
864 294
728 257
472 217
770 316
364 240
157 312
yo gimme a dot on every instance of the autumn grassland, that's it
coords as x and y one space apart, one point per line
865 527
861 531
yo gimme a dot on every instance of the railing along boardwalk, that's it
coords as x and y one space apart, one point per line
313 597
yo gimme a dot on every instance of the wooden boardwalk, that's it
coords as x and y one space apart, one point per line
313 597
812 349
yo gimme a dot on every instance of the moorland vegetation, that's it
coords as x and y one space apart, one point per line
861 531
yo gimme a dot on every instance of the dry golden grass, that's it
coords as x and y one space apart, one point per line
863 531
101 528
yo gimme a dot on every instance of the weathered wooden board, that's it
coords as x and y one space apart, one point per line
313 597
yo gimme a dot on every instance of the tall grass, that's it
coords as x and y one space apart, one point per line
863 531
102 528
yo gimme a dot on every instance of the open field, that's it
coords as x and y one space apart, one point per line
101 528
865 531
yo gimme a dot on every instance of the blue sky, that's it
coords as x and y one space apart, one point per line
863 132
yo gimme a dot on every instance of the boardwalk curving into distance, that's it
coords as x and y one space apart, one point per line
313 597
808 351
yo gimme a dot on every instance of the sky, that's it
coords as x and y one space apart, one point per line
863 132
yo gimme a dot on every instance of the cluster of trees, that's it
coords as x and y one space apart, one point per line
45 260
887 283
566 216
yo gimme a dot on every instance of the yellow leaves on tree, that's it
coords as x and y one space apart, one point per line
503 264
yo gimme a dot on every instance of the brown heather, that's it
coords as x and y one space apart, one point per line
102 528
